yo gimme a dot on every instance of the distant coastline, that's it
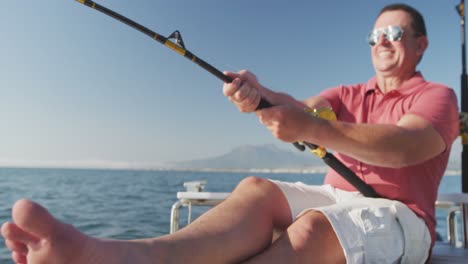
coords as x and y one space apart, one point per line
248 159
317 170
311 170
314 170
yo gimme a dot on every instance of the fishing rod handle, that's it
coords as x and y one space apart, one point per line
263 104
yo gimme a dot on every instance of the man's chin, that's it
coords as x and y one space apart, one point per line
385 69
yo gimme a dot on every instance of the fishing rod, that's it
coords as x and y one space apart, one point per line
179 47
464 99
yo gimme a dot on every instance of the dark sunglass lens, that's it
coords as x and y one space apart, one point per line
372 37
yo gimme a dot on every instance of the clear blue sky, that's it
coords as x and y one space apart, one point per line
78 87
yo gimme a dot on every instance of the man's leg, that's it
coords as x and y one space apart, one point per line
310 239
236 229
233 231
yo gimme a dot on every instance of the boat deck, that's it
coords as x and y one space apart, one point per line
444 253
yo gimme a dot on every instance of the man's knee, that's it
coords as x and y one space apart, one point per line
265 195
257 185
312 230
253 180
312 225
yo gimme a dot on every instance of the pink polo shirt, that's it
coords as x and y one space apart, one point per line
417 185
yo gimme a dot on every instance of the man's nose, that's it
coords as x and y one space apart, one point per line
382 39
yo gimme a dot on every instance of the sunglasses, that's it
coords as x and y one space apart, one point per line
391 33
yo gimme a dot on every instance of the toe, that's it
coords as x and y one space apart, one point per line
16 246
12 232
33 218
19 258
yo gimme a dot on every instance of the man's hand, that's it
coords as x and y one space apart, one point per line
243 91
286 122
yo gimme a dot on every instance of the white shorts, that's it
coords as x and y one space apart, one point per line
370 230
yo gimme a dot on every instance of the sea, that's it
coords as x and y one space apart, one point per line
129 204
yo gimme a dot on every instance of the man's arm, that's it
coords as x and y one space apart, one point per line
245 92
411 141
426 130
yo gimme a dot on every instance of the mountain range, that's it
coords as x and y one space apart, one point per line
251 157
269 157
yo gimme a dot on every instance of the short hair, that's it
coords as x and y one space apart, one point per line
417 23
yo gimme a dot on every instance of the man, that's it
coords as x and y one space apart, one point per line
394 132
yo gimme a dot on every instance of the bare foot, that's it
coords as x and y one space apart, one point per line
36 237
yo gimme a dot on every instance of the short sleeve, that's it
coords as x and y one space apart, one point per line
438 105
333 96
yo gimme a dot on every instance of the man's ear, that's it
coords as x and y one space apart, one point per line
423 43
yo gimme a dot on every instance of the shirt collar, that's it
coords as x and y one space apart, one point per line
406 87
